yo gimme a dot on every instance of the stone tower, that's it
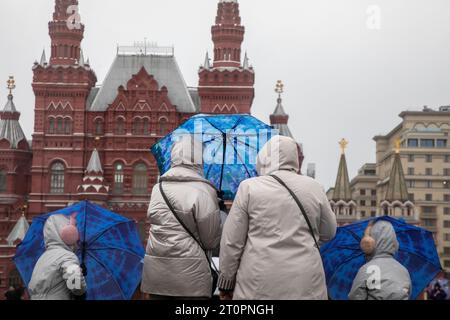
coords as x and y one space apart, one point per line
61 87
227 85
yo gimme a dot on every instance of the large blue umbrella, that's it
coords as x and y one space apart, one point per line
110 249
230 143
342 257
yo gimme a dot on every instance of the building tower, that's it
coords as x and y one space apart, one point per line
342 203
66 33
279 119
15 161
61 87
227 86
396 201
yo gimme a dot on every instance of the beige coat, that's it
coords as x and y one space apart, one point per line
267 251
175 265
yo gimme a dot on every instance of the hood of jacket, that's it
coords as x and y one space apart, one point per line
186 159
52 229
385 238
280 153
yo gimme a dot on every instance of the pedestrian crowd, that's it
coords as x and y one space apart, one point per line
269 241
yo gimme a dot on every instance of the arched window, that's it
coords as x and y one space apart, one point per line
118 178
140 179
145 127
67 126
136 126
59 125
98 127
51 126
162 126
409 211
2 180
57 178
120 126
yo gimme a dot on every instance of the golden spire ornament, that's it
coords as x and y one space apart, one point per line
279 88
11 84
398 144
343 143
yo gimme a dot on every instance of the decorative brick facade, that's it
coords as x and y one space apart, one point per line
80 126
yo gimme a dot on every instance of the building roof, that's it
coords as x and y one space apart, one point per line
19 231
342 187
10 128
397 189
165 70
279 120
10 107
279 110
94 165
195 98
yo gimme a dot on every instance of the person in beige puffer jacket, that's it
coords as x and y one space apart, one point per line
175 266
267 250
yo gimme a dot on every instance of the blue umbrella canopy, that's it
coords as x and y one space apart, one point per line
342 257
230 146
113 252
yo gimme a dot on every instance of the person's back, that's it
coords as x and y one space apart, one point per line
175 265
267 249
382 277
57 264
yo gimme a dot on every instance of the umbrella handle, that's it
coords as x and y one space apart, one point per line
222 206
84 269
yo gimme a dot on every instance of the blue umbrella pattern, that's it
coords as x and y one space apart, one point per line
342 257
111 250
231 144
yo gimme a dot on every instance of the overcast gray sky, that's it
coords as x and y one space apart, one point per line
342 79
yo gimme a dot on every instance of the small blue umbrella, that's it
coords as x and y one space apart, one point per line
110 249
342 257
230 142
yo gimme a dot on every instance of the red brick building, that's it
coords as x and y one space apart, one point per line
92 141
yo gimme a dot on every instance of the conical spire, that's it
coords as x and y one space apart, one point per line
397 189
10 128
279 110
207 64
10 107
81 61
43 58
94 165
19 231
93 187
246 64
342 187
